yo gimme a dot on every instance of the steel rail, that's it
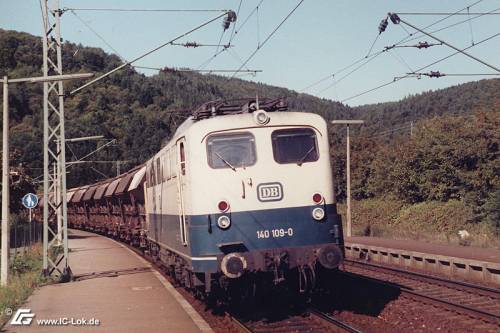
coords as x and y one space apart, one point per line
334 321
492 292
244 328
484 315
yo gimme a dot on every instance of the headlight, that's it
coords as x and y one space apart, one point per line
224 222
233 265
261 117
318 213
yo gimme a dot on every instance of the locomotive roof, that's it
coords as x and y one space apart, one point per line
222 107
241 121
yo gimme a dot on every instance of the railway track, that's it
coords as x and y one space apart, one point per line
311 321
472 300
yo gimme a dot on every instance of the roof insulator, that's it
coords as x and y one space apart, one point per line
382 26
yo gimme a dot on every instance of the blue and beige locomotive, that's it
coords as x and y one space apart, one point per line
243 194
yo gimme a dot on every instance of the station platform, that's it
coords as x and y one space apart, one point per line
469 263
466 252
115 286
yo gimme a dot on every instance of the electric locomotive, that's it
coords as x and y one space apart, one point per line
243 194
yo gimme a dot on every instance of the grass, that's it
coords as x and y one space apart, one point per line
25 277
434 222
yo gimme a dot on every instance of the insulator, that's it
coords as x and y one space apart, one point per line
423 45
382 26
230 18
395 18
435 74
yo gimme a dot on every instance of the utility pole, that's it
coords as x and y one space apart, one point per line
5 187
54 145
4 260
348 213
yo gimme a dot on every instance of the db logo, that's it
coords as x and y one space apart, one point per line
270 192
22 317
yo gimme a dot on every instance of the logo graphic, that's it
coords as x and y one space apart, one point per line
270 192
22 317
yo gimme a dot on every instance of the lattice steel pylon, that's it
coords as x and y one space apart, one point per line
55 250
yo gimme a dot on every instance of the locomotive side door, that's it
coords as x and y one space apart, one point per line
181 183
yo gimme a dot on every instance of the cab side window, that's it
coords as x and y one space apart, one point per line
182 156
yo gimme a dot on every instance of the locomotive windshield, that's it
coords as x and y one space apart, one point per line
231 150
296 145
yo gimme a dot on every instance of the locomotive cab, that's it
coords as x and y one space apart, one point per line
266 193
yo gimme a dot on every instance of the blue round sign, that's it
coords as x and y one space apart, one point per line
30 200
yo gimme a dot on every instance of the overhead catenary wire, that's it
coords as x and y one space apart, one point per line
236 31
236 56
146 54
98 35
445 13
403 40
397 20
419 35
196 44
186 44
167 69
470 27
270 35
209 60
438 74
234 25
334 83
373 44
394 54
144 10
220 39
420 45
418 70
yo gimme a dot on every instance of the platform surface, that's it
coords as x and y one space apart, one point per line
114 285
465 252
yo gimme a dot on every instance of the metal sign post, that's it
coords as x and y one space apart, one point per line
30 201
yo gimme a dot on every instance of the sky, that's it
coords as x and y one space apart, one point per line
320 38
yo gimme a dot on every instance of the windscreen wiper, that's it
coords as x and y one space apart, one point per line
226 162
299 163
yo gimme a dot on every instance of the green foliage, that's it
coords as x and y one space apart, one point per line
448 158
431 221
24 279
491 210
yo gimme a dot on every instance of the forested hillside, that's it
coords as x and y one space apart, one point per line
483 95
130 107
449 157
